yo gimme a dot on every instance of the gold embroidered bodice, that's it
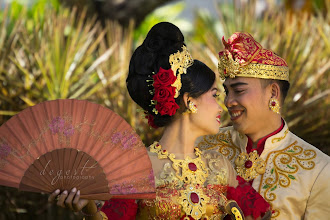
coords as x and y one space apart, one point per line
193 187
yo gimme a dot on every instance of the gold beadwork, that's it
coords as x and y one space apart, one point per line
258 165
228 67
180 61
193 180
274 105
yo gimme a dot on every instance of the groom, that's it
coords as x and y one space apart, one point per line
292 175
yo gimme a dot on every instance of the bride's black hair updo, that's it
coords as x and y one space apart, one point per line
163 40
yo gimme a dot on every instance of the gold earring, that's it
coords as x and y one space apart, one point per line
192 107
274 105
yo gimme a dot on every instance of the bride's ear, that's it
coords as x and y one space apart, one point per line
186 99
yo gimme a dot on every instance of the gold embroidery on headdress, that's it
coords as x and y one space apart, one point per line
180 61
228 67
244 56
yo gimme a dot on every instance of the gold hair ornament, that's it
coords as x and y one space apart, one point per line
228 67
180 61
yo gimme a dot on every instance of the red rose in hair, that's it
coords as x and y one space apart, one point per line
163 78
167 108
151 122
162 94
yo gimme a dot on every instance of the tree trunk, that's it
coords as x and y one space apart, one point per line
120 10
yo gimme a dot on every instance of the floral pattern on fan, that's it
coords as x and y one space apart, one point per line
5 150
48 146
58 125
124 188
62 127
127 139
129 187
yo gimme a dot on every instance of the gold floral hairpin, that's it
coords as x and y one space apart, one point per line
180 62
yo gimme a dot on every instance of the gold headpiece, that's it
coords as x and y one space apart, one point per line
180 61
243 56
229 68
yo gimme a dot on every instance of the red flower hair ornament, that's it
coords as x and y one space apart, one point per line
167 85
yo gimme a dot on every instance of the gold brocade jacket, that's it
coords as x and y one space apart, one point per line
172 196
297 179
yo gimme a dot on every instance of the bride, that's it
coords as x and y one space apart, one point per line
179 94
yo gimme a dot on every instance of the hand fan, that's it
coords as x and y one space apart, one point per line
69 143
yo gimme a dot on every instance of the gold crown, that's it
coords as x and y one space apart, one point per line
180 61
228 67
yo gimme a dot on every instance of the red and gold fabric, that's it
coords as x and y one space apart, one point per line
244 56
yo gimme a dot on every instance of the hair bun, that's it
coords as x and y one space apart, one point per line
153 44
162 40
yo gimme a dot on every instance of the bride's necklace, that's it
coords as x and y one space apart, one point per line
193 174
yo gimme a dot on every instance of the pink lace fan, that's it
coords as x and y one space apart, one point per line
63 144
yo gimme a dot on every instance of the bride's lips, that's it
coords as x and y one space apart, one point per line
218 119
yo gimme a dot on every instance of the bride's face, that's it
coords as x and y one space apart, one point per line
207 118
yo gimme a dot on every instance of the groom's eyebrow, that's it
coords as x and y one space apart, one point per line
236 84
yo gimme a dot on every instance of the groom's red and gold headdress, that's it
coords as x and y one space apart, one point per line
243 56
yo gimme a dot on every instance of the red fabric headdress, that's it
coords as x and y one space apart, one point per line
243 56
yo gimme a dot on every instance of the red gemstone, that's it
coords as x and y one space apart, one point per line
164 151
273 103
194 197
248 164
192 166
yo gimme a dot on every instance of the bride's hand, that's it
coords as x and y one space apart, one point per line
71 201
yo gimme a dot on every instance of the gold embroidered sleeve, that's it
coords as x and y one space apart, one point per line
220 169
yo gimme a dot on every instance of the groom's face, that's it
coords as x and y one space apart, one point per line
247 103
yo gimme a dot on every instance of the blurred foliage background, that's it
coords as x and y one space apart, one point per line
51 49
